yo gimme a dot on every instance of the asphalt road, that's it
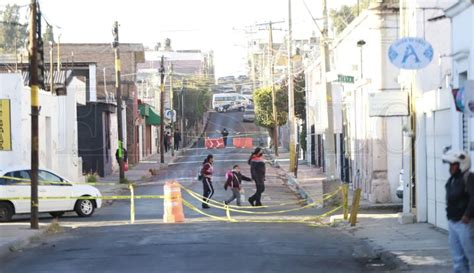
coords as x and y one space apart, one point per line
107 242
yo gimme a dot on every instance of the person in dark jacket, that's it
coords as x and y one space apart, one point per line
257 170
206 172
167 141
460 211
177 139
225 133
234 181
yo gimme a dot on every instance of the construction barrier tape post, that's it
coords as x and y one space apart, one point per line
132 204
355 207
345 198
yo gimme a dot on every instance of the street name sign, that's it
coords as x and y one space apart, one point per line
345 78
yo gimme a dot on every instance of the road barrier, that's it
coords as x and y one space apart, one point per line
214 143
243 142
173 204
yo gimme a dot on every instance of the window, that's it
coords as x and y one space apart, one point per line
48 178
23 175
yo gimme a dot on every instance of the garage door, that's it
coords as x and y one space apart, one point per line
438 135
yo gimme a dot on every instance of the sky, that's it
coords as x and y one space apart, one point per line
218 25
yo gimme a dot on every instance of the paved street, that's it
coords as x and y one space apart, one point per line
107 243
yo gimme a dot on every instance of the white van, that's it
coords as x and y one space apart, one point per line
224 102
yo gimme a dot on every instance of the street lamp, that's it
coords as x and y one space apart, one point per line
360 44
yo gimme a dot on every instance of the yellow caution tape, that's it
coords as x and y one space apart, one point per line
28 182
309 221
116 197
227 208
300 202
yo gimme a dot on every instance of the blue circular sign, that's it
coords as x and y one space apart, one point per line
410 53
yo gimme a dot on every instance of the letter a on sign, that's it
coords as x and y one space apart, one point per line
410 53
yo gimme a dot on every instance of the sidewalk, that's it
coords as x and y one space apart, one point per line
416 247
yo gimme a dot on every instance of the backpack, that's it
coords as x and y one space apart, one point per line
228 174
200 176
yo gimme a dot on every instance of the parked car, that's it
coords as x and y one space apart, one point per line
249 114
15 194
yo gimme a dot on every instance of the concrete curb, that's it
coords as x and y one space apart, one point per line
21 243
300 191
292 182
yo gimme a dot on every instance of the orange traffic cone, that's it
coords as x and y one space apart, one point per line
173 204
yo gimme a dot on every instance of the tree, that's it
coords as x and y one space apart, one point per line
13 35
343 16
300 103
48 35
197 98
262 99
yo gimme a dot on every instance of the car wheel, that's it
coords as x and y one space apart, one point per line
6 212
56 214
84 207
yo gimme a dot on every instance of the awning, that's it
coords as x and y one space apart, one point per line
151 118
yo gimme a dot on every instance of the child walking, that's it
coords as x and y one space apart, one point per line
234 180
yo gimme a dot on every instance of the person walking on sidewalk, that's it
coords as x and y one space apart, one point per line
225 133
166 141
206 172
177 139
460 210
257 171
234 181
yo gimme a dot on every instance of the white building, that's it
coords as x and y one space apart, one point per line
438 123
368 148
58 145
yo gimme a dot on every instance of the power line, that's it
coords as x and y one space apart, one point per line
312 17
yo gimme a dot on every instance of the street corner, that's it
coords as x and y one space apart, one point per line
18 236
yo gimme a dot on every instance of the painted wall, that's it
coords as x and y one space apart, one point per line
58 148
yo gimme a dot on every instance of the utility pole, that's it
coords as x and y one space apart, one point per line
59 54
329 146
171 108
291 96
162 111
51 67
272 79
34 85
119 99
182 113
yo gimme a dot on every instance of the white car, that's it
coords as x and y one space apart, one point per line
249 114
63 195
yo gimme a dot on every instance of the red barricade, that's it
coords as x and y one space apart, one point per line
214 143
243 142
